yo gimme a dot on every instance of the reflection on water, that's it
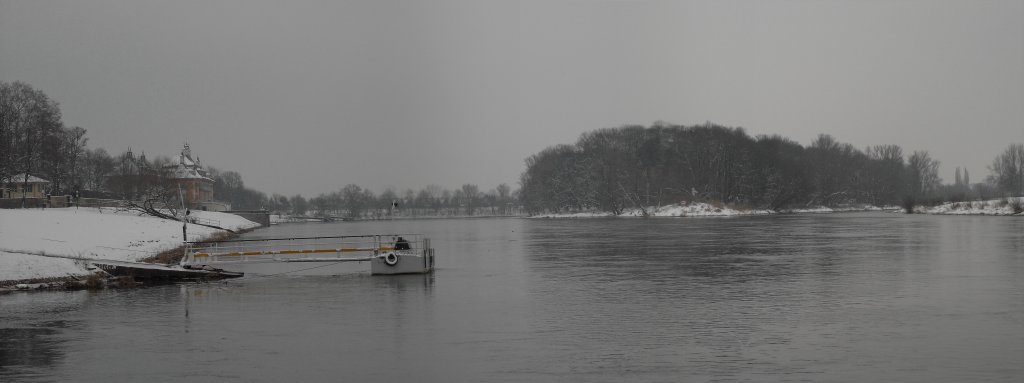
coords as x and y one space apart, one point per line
846 297
821 297
34 334
23 351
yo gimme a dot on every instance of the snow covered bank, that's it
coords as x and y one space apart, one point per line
279 218
990 207
700 209
844 209
82 234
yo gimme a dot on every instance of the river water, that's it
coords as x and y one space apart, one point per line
841 297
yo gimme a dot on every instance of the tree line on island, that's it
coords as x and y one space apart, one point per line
614 169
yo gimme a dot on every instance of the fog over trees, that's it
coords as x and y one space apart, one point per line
634 166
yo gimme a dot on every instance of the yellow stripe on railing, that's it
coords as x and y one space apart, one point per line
304 251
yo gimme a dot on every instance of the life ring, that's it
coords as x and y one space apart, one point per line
391 259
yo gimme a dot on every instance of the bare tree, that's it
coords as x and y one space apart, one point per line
353 199
886 174
443 201
471 197
504 193
1008 170
923 175
299 205
387 201
93 168
409 201
27 118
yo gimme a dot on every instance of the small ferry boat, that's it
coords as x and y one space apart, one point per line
387 254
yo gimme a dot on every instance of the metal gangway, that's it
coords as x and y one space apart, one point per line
387 253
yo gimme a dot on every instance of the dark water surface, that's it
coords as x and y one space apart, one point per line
842 297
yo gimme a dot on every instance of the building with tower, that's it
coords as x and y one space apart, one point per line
194 182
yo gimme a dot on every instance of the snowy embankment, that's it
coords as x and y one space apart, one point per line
54 243
1007 206
700 209
279 218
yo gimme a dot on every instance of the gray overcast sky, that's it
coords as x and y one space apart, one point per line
307 96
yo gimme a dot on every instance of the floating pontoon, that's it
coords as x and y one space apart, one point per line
387 254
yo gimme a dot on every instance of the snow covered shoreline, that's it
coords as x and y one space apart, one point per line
55 243
991 207
278 218
700 209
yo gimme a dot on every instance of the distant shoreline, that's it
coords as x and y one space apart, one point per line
996 207
706 210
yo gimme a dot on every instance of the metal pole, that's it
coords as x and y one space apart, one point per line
184 222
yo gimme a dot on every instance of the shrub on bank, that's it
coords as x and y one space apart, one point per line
908 204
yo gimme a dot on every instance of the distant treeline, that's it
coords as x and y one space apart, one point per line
635 166
353 201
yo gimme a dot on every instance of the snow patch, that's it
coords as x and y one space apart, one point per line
840 209
280 218
989 207
700 209
697 209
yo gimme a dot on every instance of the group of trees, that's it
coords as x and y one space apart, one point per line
353 201
635 166
34 140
